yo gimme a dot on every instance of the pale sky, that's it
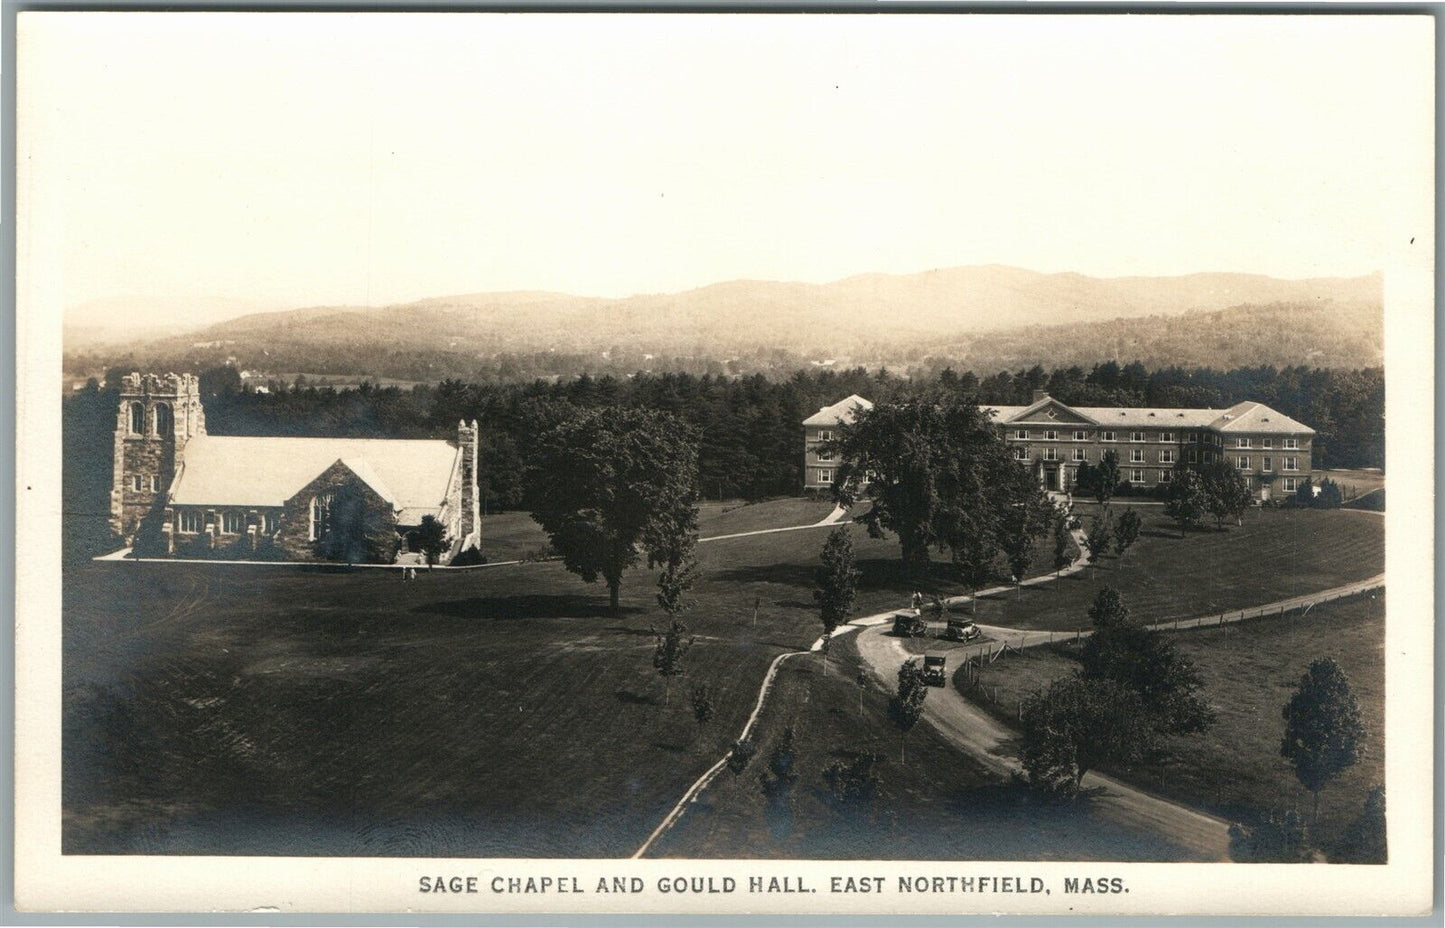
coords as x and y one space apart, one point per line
298 159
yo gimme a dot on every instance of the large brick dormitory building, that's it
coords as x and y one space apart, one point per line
1269 448
178 491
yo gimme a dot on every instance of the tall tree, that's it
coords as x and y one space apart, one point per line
1126 532
1322 727
1022 525
1146 663
432 539
1061 542
906 707
1187 501
837 580
1076 725
1097 539
670 647
937 473
606 482
1226 491
1106 478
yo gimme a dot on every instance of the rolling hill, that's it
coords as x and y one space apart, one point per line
870 318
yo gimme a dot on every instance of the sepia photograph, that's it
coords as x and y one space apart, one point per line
887 464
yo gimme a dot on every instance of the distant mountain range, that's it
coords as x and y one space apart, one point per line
866 318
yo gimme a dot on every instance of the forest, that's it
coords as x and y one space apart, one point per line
750 427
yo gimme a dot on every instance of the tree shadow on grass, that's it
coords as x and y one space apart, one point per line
877 574
523 607
636 699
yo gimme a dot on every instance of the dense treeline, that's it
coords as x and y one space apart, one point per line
750 427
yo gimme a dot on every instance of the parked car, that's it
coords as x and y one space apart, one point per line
933 669
962 630
909 624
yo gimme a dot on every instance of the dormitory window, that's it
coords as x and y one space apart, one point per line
137 419
188 520
164 423
1265 465
1291 444
1166 436
233 523
1193 456
1108 436
1244 463
1136 475
1051 454
1209 457
825 476
1080 435
1080 454
1166 456
1165 476
1290 485
1051 435
1136 436
1022 434
135 483
1021 454
1241 443
1291 463
825 455
155 483
825 435
1136 455
1267 442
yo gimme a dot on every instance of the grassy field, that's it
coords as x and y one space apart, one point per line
1353 481
502 712
935 806
732 516
1248 672
510 536
1276 554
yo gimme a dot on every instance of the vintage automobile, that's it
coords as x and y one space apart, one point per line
909 624
933 665
962 630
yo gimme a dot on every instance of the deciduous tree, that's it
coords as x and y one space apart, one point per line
937 473
1187 501
1145 662
1322 728
1126 532
1076 725
837 580
906 707
670 649
432 539
610 481
1226 491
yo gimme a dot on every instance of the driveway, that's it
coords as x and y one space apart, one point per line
970 729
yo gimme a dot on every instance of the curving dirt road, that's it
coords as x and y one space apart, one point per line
1203 837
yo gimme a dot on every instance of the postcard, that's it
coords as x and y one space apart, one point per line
724 463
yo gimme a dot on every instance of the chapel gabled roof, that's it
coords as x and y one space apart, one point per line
234 470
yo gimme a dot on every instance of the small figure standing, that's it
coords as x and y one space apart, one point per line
917 601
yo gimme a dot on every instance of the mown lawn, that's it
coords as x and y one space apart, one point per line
1275 554
732 516
495 712
509 536
1248 671
937 805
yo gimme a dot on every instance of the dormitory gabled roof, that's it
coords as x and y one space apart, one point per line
843 411
1247 417
226 470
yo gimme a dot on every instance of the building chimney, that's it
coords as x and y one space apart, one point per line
1040 395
